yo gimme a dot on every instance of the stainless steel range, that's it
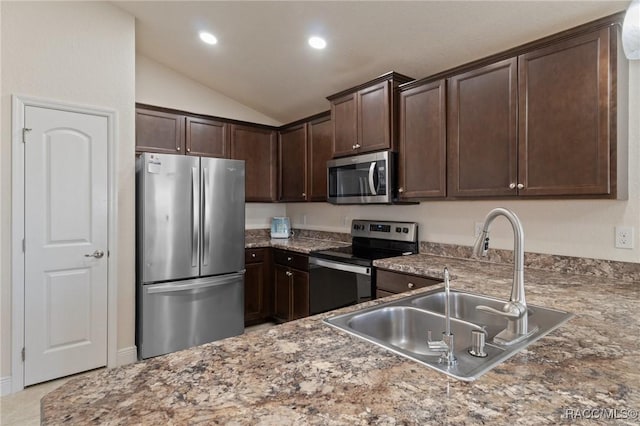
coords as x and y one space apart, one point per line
346 276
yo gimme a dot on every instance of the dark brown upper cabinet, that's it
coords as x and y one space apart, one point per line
158 131
304 149
364 117
319 139
257 146
565 93
292 149
205 137
541 124
482 131
422 162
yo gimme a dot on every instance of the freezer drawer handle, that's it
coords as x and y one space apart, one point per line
170 288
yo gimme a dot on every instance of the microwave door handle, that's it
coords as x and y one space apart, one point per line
372 184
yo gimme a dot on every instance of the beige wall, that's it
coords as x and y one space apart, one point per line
77 52
574 228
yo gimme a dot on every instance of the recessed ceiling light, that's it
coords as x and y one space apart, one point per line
317 42
208 37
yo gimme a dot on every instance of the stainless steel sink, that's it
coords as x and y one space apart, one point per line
401 326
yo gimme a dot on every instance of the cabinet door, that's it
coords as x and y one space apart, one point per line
258 148
319 151
422 161
482 132
374 114
207 138
283 309
159 132
253 292
564 96
344 118
300 302
292 147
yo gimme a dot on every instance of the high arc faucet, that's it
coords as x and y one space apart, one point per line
514 311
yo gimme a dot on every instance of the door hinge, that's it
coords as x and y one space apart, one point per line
24 134
22 354
24 246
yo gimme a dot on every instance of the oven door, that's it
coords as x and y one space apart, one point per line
334 285
361 179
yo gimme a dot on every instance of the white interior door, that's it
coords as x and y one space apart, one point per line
66 217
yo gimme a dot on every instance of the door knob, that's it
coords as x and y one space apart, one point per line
97 254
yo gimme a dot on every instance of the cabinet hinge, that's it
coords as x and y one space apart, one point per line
24 133
23 354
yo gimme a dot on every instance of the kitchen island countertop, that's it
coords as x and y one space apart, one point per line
305 372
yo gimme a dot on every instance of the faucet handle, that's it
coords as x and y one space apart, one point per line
510 310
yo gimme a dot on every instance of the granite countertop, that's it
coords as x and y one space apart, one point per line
305 372
297 244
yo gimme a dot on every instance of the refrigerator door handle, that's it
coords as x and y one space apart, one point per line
195 221
211 282
206 219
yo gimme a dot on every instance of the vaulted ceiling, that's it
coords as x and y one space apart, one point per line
262 58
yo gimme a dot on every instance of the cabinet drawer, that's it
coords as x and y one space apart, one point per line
294 260
394 282
254 255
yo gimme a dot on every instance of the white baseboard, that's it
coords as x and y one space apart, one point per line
127 356
5 385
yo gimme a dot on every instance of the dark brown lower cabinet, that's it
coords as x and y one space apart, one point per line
291 286
258 288
388 283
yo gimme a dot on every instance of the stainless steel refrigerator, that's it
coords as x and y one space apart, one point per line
189 251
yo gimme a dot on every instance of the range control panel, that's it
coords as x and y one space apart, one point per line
398 231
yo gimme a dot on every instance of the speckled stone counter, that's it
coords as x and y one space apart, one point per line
303 241
306 372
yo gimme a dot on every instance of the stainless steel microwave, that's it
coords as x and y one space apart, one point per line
361 179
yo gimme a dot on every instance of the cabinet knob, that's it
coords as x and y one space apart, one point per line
177 148
353 147
289 259
289 273
253 255
357 145
411 285
401 190
188 149
512 185
520 186
304 194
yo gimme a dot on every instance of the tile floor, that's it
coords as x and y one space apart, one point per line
23 408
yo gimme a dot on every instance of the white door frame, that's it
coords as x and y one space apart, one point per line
19 102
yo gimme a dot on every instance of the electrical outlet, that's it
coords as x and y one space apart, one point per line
624 237
478 228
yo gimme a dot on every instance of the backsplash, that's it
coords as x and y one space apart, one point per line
626 271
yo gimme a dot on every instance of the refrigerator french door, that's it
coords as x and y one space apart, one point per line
189 251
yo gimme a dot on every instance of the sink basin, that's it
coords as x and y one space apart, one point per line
405 328
401 327
463 306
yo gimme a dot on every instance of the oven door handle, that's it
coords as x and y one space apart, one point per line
362 270
372 184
